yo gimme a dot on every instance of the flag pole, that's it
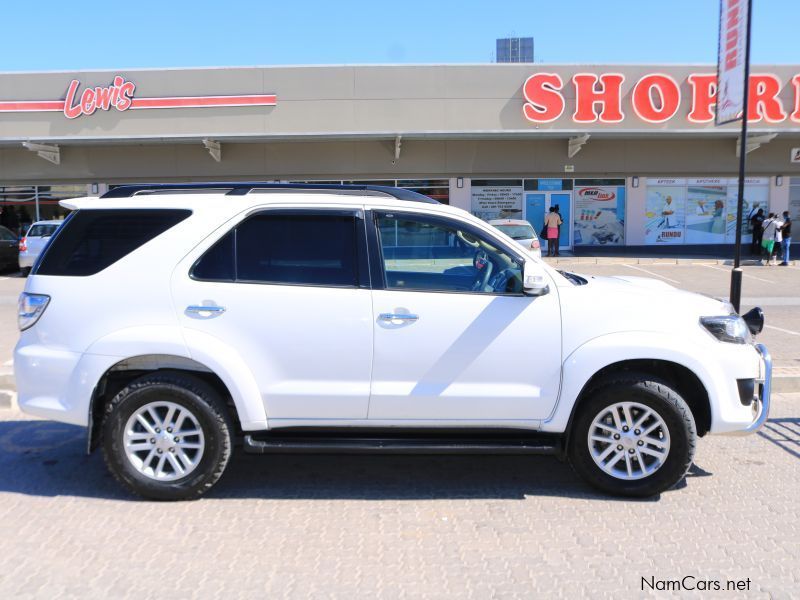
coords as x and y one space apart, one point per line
736 273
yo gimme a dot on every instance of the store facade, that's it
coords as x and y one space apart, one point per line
629 154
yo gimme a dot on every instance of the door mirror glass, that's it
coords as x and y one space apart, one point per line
535 282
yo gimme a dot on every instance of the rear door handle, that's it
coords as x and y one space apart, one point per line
398 317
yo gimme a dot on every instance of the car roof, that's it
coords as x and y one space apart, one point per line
509 222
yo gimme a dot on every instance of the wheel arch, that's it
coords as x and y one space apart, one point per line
121 373
667 357
679 377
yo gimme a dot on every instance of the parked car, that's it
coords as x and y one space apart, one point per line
521 232
32 244
175 326
8 249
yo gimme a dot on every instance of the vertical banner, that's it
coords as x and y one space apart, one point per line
733 16
665 211
706 211
599 215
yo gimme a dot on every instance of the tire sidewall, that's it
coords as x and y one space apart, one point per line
216 438
669 407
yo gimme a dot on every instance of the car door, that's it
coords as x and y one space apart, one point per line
9 247
288 290
455 338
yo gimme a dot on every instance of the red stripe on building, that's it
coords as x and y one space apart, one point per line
32 106
204 101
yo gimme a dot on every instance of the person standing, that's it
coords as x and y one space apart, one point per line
552 222
786 233
768 237
756 224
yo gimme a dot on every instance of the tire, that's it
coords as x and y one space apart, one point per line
202 456
664 462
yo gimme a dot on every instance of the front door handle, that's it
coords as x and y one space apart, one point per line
398 317
195 309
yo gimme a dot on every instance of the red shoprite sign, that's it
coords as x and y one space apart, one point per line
120 96
655 98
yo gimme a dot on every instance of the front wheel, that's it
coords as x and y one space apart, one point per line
633 436
167 436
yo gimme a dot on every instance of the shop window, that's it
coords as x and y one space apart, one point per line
599 217
497 198
20 206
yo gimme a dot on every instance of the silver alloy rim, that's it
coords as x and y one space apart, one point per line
629 440
164 441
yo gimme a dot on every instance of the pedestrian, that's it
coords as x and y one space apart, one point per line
756 224
773 238
786 233
552 221
768 237
560 223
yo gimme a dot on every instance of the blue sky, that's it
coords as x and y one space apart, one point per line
51 34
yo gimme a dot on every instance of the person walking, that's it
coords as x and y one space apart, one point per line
786 233
552 221
756 224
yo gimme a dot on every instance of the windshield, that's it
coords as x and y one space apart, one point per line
42 230
517 232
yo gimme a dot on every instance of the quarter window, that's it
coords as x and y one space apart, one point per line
297 249
430 254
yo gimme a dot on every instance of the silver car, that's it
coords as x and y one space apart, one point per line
521 232
32 244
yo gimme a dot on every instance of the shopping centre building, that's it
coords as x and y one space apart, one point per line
629 153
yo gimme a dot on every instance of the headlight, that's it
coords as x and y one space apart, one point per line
728 328
30 308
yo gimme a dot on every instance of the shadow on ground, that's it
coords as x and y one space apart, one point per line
43 458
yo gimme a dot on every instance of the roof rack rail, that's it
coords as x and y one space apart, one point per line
243 188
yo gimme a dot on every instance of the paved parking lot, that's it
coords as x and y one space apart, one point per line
409 527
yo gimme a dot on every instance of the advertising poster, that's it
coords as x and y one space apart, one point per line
756 195
600 216
706 211
665 211
497 202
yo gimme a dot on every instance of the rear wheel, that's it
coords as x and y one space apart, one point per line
633 436
167 436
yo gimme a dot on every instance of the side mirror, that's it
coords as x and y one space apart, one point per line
534 280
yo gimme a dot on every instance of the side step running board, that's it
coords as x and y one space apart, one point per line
311 445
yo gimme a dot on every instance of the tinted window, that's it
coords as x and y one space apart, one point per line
6 235
308 249
91 240
218 263
427 254
42 230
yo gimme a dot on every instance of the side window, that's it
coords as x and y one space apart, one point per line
420 253
297 249
7 236
94 239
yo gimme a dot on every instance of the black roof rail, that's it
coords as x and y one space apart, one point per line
242 188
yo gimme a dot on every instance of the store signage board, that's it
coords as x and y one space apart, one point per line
733 16
608 98
120 96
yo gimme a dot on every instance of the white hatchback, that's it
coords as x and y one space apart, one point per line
521 232
176 326
32 244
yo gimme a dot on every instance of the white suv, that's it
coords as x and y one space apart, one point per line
176 321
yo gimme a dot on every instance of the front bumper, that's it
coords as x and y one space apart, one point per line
762 400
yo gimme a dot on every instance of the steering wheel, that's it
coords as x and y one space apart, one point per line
484 267
499 282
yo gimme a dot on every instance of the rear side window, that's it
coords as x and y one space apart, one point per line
295 249
42 230
92 240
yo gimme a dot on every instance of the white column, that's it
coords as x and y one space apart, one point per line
461 197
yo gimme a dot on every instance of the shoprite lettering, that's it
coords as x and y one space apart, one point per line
653 98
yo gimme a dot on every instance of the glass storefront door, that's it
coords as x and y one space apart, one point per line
540 195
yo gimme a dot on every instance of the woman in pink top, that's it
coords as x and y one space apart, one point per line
552 221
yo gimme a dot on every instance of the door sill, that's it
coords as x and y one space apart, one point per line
313 441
